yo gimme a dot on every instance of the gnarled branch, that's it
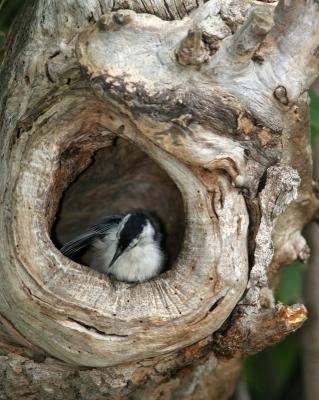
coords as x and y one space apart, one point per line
214 100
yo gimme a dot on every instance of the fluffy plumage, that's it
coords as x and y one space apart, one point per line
126 246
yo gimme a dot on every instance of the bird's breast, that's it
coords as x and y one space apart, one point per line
138 264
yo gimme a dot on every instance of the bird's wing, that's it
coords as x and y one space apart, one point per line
100 229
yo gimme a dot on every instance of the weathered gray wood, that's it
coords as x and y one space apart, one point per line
215 99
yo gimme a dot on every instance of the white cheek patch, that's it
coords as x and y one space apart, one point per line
148 232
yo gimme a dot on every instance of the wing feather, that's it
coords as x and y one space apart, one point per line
72 248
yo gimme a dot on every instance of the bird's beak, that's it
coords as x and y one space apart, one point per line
117 254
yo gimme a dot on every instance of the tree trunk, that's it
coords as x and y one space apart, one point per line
195 110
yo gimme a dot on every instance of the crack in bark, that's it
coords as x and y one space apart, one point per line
56 53
91 328
101 6
47 73
167 7
215 304
178 10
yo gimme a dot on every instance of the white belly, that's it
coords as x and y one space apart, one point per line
138 264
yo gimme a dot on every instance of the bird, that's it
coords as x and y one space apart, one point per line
126 246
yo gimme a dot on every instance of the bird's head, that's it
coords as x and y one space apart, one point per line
135 229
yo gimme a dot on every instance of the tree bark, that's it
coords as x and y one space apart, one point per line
203 106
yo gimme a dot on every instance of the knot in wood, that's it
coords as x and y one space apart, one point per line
121 19
280 93
103 23
113 21
192 50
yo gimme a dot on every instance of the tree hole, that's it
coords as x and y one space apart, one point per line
121 178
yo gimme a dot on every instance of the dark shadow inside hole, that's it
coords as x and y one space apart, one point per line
121 178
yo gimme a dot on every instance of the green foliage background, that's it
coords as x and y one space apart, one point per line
275 373
8 10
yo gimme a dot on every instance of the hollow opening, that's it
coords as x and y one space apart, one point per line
120 178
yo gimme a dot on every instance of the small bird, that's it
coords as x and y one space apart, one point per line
126 246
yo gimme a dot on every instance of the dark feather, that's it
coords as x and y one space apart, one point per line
137 222
75 246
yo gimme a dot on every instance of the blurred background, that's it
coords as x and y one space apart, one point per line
276 373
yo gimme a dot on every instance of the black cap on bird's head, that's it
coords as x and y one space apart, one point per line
130 229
